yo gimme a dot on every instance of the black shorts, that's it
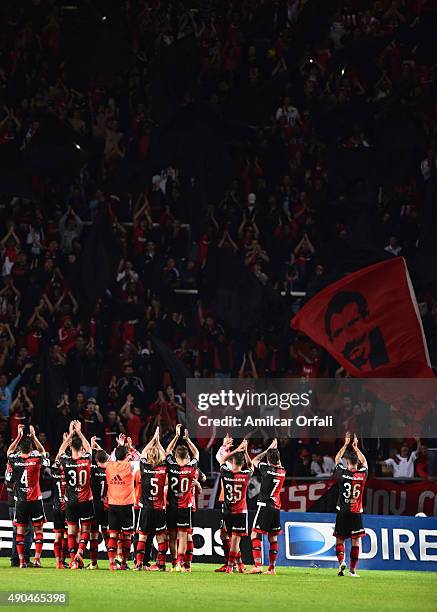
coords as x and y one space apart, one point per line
29 510
76 512
100 518
235 524
58 520
121 518
136 516
267 520
179 518
151 521
349 525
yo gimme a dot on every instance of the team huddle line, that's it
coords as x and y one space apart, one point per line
130 498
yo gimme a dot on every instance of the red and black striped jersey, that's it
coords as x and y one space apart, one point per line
10 485
235 486
26 471
58 486
350 488
77 477
200 477
99 486
137 489
272 481
180 483
153 479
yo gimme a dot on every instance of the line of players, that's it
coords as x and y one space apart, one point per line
154 495
94 494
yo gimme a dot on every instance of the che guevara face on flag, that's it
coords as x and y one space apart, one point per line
349 331
369 322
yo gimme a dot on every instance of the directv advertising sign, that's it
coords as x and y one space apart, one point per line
392 542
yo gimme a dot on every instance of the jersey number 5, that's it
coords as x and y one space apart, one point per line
154 486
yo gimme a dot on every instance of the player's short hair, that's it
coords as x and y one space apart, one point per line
238 458
273 456
76 443
352 457
120 453
181 451
101 456
153 456
26 445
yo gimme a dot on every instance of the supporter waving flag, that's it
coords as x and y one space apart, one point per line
369 322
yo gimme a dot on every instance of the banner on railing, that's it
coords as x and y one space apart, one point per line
391 542
381 497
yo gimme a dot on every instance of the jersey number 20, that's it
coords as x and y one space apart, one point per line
179 486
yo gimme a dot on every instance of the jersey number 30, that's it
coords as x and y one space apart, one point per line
75 478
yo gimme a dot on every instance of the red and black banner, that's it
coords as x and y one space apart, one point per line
381 496
369 322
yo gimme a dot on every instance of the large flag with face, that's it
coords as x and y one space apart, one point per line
370 323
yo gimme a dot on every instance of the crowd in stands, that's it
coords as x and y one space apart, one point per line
272 215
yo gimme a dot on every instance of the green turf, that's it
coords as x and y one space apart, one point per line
297 589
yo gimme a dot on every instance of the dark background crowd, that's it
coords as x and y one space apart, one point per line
176 177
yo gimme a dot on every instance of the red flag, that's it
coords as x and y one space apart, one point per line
369 321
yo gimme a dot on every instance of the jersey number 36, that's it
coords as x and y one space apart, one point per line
352 490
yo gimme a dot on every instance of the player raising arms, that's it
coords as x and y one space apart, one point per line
181 476
267 519
121 498
151 519
133 456
25 466
59 529
197 489
235 479
349 523
224 449
100 501
79 510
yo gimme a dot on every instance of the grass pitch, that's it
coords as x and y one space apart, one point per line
299 589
